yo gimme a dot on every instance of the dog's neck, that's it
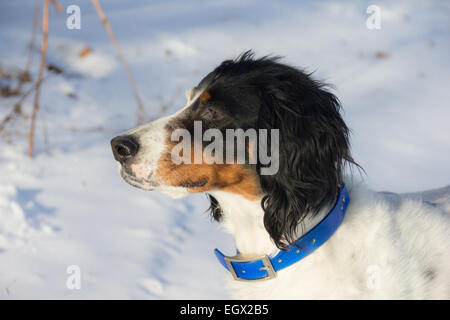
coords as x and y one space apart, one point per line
244 219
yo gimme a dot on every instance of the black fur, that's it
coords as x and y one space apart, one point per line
314 140
214 208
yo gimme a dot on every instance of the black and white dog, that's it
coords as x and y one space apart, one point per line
305 231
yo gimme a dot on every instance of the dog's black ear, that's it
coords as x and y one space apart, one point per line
313 149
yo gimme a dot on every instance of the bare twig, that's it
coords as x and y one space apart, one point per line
57 5
41 72
33 35
141 110
17 109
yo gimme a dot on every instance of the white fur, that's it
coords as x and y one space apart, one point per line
152 137
388 247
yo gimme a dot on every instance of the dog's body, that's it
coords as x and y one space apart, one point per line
386 247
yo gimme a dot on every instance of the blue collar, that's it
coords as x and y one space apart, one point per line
267 267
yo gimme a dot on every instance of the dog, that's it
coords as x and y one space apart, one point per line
308 230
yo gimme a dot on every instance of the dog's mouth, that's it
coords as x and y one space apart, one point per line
138 183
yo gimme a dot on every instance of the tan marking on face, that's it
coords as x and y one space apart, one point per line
251 148
234 178
205 96
241 180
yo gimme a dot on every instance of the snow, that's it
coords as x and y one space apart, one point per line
97 65
68 206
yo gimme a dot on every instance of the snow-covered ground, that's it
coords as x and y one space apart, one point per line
68 206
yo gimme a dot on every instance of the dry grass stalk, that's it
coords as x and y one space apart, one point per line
17 109
57 5
38 83
141 110
33 35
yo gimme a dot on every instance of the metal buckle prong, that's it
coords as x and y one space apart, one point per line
271 273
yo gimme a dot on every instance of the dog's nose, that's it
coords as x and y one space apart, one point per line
124 148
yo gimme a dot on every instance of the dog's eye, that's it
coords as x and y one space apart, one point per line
212 114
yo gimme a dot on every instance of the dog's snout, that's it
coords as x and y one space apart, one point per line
124 148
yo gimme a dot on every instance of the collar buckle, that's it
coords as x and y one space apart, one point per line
271 273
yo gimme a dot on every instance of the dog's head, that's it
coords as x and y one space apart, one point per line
259 97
